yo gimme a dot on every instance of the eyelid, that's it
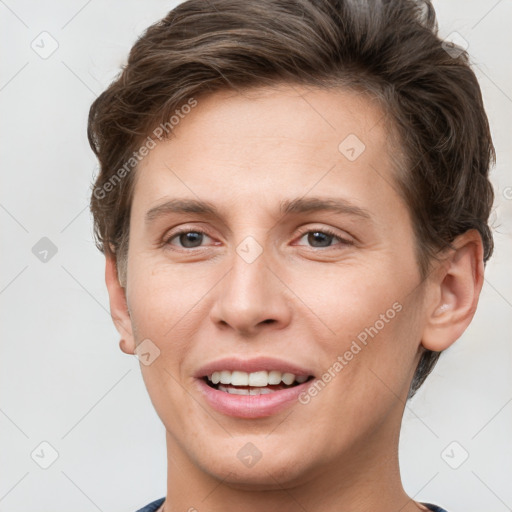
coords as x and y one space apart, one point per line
173 234
328 231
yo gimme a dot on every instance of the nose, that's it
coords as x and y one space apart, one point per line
251 297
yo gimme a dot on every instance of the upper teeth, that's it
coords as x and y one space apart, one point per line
259 379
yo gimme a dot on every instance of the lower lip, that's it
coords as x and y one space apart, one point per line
251 406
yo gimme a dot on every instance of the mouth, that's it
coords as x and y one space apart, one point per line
253 388
255 383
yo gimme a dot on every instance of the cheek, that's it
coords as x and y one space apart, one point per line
162 301
162 307
378 357
367 327
348 299
163 298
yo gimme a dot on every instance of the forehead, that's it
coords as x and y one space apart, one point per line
272 143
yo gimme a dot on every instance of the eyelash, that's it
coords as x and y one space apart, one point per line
328 232
324 231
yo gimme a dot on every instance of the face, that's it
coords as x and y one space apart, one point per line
268 236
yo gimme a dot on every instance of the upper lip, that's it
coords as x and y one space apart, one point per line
251 365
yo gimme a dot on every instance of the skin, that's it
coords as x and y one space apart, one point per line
303 300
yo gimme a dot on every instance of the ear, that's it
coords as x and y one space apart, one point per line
456 287
119 307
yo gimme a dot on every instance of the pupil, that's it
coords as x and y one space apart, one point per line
326 238
190 238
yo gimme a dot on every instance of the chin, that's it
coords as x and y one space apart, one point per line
274 469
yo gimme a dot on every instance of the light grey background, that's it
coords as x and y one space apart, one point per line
63 379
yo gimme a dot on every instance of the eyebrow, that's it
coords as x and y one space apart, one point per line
295 206
314 204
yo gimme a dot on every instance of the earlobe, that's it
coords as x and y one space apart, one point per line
125 347
119 307
457 284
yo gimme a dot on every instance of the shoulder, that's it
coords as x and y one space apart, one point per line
153 506
434 508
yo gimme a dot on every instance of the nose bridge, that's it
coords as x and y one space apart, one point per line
250 295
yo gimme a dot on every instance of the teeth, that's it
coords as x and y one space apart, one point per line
255 379
225 377
243 391
274 377
288 378
240 379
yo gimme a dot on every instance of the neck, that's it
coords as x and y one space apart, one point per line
367 477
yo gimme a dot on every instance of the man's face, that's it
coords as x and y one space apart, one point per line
333 293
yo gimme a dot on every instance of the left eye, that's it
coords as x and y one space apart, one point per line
323 238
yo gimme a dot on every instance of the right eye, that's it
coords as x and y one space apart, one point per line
187 238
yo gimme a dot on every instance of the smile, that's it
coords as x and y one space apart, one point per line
251 402
251 388
254 383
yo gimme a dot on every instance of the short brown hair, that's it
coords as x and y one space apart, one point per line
387 48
